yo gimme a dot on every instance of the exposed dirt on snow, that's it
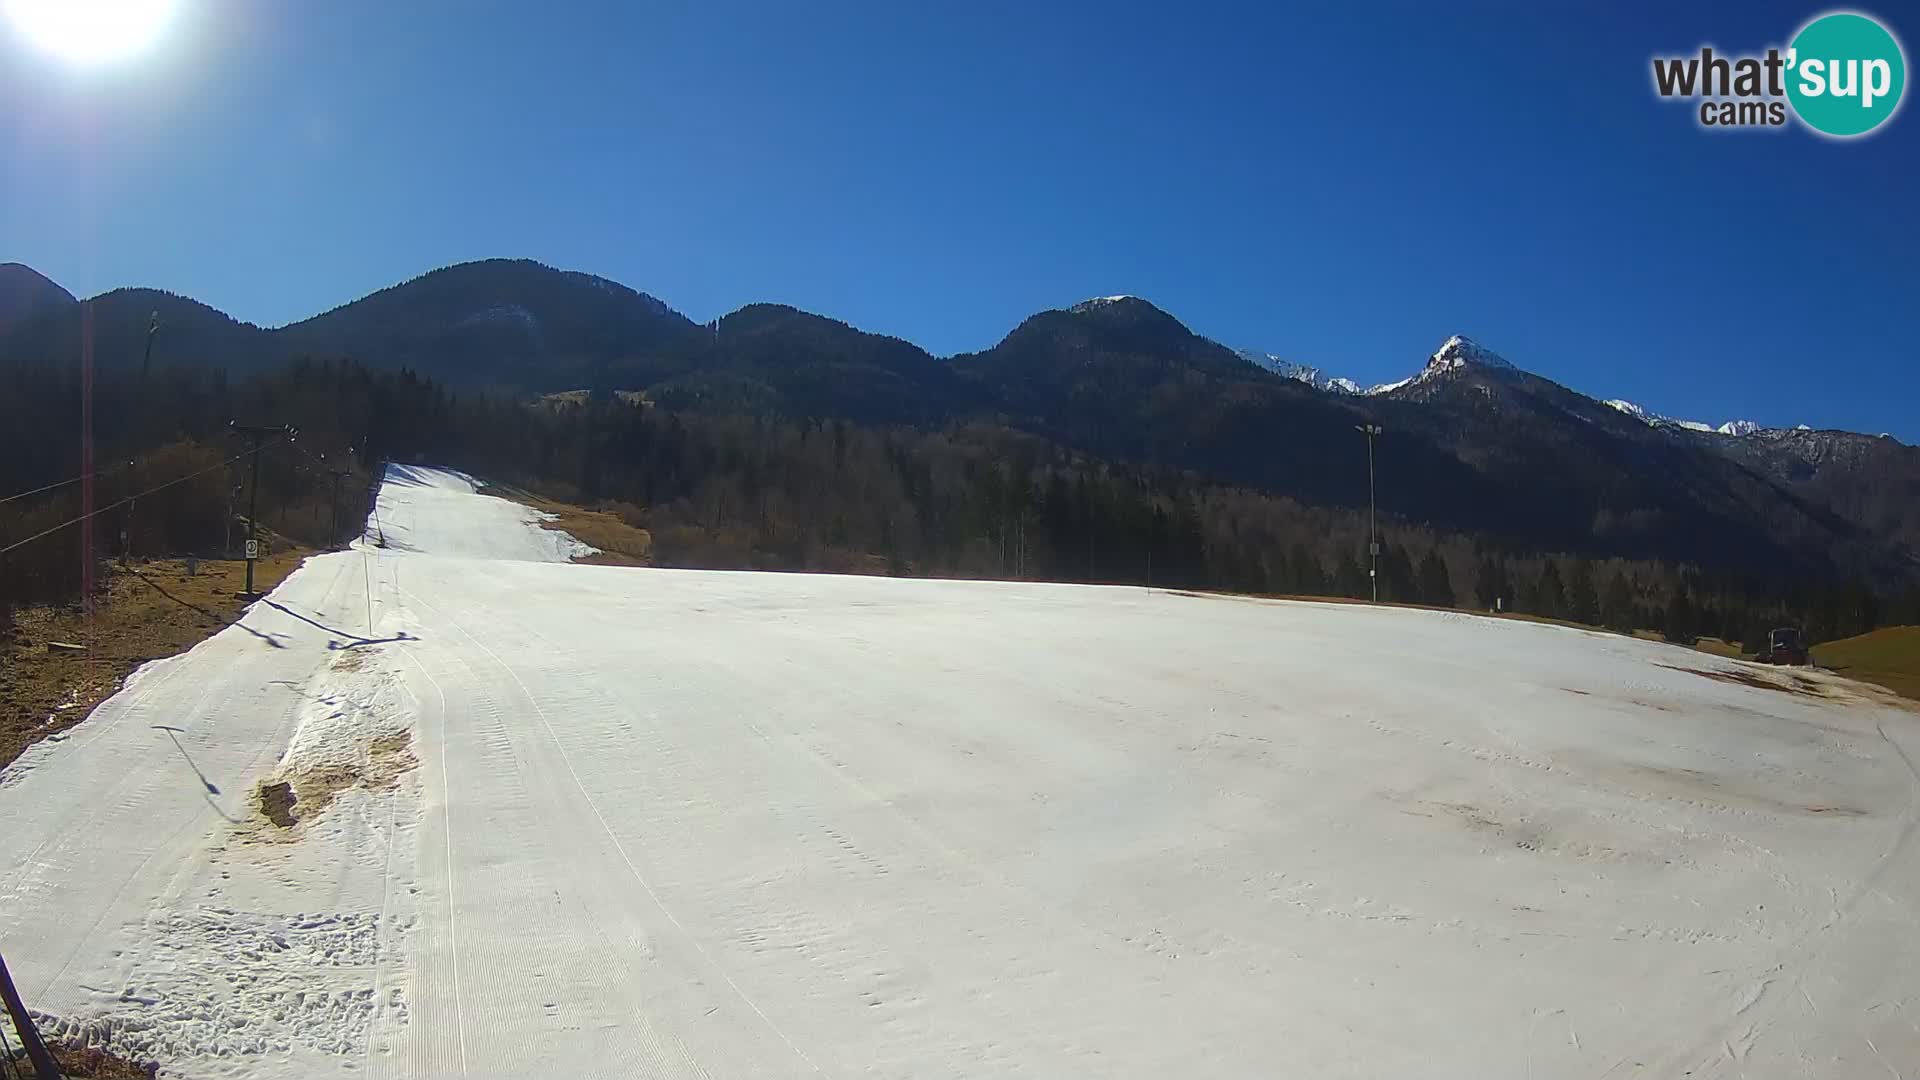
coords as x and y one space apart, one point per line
287 803
1788 682
276 802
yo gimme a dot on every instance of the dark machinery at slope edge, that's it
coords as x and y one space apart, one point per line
1785 646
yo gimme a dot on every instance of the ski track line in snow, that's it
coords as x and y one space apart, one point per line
665 1053
841 775
612 836
386 870
446 811
1097 937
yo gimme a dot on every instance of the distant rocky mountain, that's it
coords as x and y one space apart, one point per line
1287 369
1473 442
1735 428
1457 352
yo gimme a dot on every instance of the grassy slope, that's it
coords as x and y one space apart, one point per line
1889 656
608 528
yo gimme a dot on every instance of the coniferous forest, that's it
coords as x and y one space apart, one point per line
975 498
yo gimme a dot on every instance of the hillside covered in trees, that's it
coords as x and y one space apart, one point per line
1482 449
740 490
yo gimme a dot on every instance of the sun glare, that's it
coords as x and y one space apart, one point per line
90 31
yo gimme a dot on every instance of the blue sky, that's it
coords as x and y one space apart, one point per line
1342 184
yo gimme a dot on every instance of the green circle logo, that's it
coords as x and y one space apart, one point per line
1845 74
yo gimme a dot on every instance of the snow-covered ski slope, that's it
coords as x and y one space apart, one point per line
604 822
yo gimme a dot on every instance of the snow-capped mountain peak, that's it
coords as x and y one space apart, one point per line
1098 302
1287 369
1736 428
1389 387
1632 410
1459 351
1456 352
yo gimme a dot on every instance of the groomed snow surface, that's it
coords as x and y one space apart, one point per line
604 822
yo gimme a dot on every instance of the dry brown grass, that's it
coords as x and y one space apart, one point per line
1717 647
150 610
612 527
1889 657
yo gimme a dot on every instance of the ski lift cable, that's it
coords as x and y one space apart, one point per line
96 474
138 495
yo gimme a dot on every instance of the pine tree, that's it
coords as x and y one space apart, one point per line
1549 595
1679 626
1860 609
1436 587
1350 579
1583 604
1616 604
1308 578
1396 576
1491 585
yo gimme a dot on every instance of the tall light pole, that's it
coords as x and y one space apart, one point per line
1373 539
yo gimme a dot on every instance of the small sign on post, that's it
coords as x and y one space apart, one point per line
253 550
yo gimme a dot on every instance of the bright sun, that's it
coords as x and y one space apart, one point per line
90 31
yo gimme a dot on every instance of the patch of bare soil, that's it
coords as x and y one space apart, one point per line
276 803
350 660
1787 682
305 795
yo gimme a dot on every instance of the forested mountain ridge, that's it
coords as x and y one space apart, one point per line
502 323
24 291
1473 445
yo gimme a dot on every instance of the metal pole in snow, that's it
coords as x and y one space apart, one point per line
43 1066
1373 538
